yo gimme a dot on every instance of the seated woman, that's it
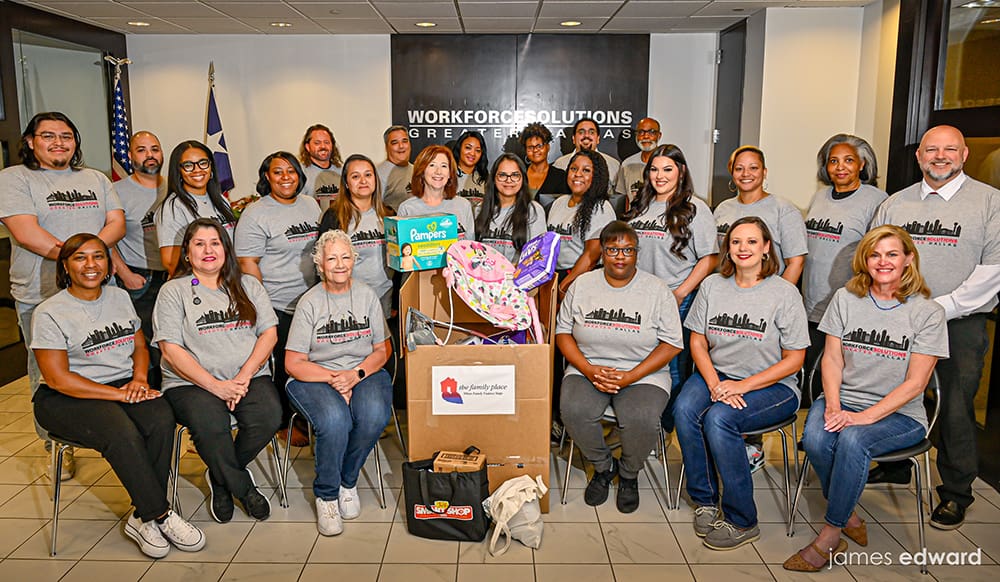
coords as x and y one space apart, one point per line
872 401
336 350
748 340
618 328
508 217
89 345
216 329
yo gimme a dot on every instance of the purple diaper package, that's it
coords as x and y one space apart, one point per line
538 261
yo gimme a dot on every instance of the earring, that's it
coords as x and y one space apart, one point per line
732 187
764 257
765 185
186 259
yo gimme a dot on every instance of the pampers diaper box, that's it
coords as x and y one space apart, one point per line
419 243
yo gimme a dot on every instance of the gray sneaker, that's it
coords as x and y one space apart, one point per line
704 517
726 536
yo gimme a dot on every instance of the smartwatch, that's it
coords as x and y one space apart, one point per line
361 372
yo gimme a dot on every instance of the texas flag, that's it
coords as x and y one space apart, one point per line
215 140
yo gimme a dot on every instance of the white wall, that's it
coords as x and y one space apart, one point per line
753 78
878 70
681 97
810 87
269 89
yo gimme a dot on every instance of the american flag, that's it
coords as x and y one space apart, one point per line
121 165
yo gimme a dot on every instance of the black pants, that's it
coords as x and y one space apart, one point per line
258 416
280 375
144 300
135 439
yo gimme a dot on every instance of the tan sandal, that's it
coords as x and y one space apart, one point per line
858 535
797 563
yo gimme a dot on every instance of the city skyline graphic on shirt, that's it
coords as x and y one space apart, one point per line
824 225
562 229
100 338
219 320
499 235
345 329
613 316
738 321
655 224
722 228
368 235
473 196
303 231
148 221
932 228
71 199
876 338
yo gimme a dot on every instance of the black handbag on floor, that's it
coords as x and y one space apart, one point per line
445 506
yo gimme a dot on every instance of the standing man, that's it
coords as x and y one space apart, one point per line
955 222
647 137
321 163
395 172
137 258
587 136
44 201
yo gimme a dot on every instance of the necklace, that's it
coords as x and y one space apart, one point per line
875 301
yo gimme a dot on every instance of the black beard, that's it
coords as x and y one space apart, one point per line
149 171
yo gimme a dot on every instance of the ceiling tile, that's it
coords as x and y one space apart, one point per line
215 25
156 26
299 25
653 25
498 9
578 10
354 25
244 10
742 9
409 25
171 10
660 9
422 10
498 25
92 9
316 10
586 25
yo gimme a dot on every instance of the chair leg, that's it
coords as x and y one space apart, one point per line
399 433
927 485
286 460
378 475
569 465
175 469
666 471
795 500
920 511
788 476
280 476
795 446
57 457
680 483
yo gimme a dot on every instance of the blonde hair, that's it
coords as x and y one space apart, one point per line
911 282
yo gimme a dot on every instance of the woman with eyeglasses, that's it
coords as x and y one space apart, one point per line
509 218
618 328
748 340
192 191
541 177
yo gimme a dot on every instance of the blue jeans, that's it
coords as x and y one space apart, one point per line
680 366
711 439
841 459
345 434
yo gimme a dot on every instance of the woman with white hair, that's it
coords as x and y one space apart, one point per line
336 348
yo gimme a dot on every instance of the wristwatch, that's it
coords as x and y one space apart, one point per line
361 372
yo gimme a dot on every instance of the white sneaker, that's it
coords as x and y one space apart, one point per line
68 463
755 456
328 520
350 502
181 533
148 536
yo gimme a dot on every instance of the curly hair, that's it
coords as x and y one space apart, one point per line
534 130
596 195
304 153
679 211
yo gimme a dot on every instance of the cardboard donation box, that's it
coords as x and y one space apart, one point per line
496 397
417 243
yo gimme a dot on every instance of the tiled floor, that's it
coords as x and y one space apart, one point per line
580 543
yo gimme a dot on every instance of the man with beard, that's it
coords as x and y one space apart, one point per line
46 199
587 136
136 259
321 163
955 222
647 137
395 172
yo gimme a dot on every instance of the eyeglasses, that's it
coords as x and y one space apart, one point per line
615 251
203 163
590 131
49 137
535 147
647 131
513 177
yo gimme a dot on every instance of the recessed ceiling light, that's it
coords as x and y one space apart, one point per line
138 23
281 24
425 24
570 23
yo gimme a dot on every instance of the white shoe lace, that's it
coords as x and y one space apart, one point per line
329 509
703 510
175 527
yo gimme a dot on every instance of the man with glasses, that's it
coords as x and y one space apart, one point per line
647 137
44 201
395 172
138 266
587 136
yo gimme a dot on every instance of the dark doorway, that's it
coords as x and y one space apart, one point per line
728 107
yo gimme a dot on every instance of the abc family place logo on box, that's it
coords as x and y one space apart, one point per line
473 389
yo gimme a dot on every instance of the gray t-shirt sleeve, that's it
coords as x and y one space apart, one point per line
602 216
172 219
266 317
16 197
794 242
250 238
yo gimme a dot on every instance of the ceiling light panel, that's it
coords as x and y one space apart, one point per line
498 9
95 9
498 25
354 25
420 10
341 9
244 10
172 10
578 10
660 9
